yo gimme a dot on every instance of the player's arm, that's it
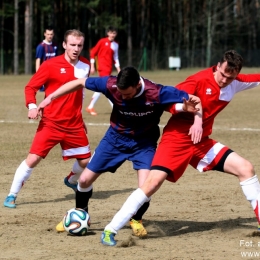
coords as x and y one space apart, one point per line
196 129
63 90
37 64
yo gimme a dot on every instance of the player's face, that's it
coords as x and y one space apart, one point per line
49 34
111 35
73 47
130 92
223 77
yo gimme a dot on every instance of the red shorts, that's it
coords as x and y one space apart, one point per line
178 154
73 144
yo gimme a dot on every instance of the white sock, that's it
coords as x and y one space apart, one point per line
77 170
22 174
85 189
251 189
111 104
94 99
130 207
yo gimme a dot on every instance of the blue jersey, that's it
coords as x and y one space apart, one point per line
139 116
46 51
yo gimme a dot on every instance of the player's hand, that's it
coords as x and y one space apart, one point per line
195 132
42 105
92 70
190 104
33 113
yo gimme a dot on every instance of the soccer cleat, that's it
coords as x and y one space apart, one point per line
91 111
107 238
10 201
70 185
60 227
138 228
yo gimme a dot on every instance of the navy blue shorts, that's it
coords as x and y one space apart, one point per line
115 148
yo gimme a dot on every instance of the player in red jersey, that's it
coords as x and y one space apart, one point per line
106 51
216 87
58 124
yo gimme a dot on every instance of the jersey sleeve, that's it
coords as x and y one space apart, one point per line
97 84
170 95
189 85
35 83
116 57
94 51
39 52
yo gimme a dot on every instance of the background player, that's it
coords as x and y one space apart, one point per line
46 49
216 87
133 133
57 126
106 51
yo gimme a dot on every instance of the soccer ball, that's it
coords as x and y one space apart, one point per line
76 222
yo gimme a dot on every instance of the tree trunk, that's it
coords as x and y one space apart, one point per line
28 37
129 34
16 35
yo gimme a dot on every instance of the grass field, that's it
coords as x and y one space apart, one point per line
203 216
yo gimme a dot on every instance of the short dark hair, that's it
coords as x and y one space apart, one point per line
234 61
49 28
111 29
128 77
73 32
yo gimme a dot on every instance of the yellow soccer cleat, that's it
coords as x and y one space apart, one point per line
60 227
138 228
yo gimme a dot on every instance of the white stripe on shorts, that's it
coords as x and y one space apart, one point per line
209 156
76 151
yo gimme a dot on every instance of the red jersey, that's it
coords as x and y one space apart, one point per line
107 53
64 113
213 98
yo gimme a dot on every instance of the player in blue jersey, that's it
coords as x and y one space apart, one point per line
46 49
138 105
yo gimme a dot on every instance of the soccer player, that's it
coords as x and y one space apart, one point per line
46 49
133 133
216 87
59 125
106 51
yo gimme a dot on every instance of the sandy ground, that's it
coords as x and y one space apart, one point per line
202 216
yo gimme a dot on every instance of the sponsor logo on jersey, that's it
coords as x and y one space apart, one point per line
49 54
62 70
208 91
138 114
149 104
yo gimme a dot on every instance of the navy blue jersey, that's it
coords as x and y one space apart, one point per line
46 51
139 116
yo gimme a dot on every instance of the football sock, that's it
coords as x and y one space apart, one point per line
22 174
94 99
82 197
132 204
139 214
75 173
251 189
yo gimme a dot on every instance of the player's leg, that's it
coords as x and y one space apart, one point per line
75 145
40 147
244 170
90 107
132 205
211 155
136 221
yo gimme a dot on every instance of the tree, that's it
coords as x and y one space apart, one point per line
16 37
28 37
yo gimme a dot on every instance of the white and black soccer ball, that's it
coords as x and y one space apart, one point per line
76 222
